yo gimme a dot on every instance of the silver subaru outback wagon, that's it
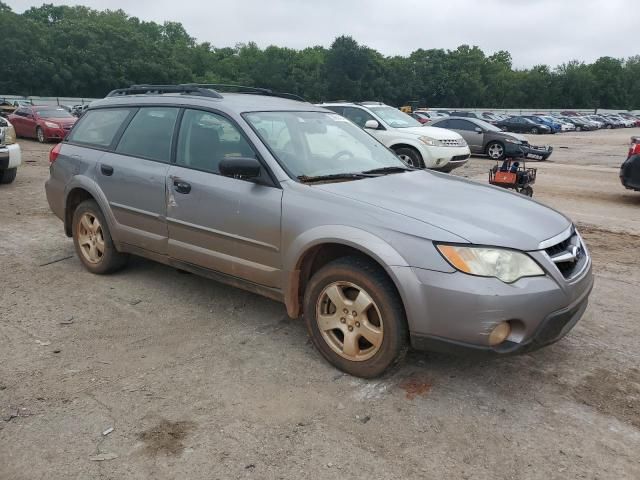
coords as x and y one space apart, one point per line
296 203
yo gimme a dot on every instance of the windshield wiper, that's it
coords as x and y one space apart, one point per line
386 170
333 176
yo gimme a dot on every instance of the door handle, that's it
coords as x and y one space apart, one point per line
106 170
181 186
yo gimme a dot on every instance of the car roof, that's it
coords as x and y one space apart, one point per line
229 102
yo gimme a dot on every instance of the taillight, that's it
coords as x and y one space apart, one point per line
53 154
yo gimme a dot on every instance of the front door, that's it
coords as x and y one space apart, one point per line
224 224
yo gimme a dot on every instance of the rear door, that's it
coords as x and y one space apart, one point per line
224 224
133 177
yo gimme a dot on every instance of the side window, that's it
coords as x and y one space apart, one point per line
149 134
460 124
357 116
206 138
99 127
443 124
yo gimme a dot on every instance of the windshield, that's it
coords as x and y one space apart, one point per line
395 118
317 143
54 113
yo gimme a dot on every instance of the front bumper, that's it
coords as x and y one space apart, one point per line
457 312
439 157
10 156
55 133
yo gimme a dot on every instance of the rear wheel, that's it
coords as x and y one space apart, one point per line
355 317
40 135
608 127
534 130
578 129
410 156
93 241
495 150
8 175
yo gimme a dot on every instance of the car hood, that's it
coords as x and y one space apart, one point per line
433 132
522 138
480 214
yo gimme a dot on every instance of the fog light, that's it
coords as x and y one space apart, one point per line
499 334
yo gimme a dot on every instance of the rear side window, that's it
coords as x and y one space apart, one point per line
149 134
99 127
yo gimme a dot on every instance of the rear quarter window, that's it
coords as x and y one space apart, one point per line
99 127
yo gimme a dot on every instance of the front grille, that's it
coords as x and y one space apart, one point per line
569 255
452 143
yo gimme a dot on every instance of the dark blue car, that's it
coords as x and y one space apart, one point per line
554 126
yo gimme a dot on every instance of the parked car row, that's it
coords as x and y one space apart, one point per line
540 123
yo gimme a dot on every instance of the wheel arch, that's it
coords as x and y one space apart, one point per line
309 253
79 190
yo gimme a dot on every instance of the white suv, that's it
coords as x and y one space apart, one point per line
419 146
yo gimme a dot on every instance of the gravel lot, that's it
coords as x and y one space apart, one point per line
202 381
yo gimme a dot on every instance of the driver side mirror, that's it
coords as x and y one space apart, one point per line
478 129
371 124
240 167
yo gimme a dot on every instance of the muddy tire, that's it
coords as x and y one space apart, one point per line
93 242
355 317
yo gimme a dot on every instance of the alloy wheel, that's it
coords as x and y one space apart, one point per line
40 134
349 321
91 238
495 151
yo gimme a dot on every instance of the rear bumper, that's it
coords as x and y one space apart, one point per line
10 156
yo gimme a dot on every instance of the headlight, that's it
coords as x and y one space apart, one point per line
432 142
506 265
512 140
52 125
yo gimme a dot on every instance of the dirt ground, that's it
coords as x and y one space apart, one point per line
203 381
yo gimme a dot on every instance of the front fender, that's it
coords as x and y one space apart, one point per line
366 242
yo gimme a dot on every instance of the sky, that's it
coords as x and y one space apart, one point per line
535 32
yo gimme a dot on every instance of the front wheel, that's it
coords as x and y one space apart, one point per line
495 150
410 156
534 130
355 317
40 135
92 240
578 129
8 175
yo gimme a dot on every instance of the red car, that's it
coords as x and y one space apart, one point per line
43 122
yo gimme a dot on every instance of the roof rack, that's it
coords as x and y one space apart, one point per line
158 89
248 90
201 89
369 103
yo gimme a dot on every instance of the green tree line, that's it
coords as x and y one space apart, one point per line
78 51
